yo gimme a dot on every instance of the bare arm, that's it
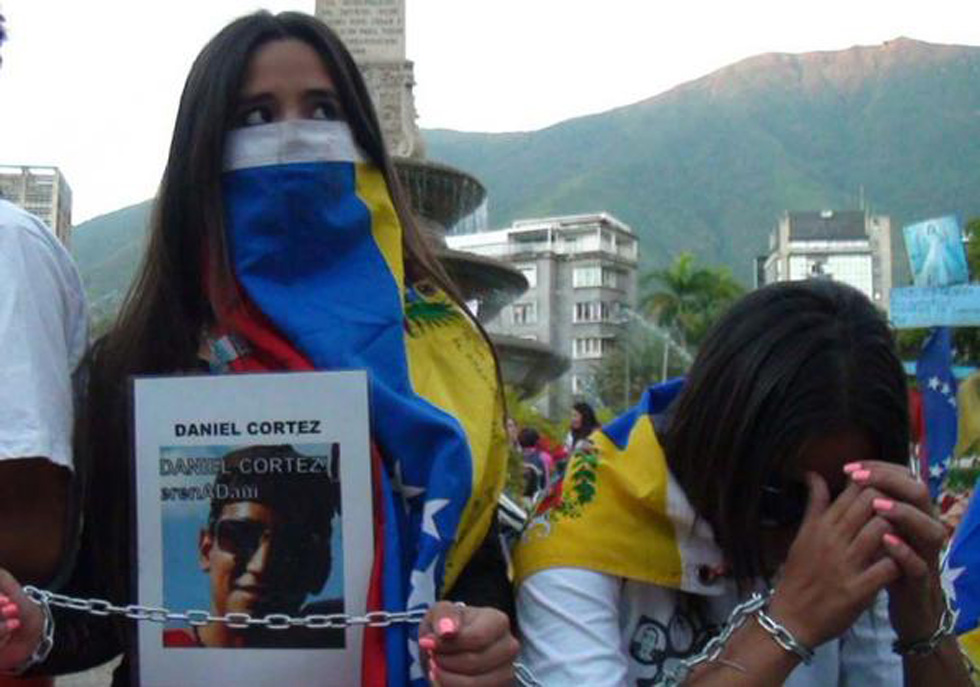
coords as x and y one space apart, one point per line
751 658
33 509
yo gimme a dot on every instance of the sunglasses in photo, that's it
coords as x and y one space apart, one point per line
243 537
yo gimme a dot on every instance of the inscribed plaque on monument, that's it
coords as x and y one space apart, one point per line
373 30
252 495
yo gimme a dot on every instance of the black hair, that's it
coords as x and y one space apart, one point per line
270 475
787 364
528 437
307 498
590 422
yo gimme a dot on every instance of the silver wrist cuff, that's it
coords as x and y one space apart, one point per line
924 647
783 637
45 644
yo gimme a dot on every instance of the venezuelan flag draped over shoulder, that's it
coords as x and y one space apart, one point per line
316 247
961 579
619 511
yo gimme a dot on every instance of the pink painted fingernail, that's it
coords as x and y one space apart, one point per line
447 626
428 642
852 467
883 504
891 539
861 475
4 600
9 610
13 624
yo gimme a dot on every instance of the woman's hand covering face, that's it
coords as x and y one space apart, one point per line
914 543
836 565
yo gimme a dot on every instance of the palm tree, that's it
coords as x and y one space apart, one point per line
687 298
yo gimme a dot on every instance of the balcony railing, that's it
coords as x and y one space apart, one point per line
515 248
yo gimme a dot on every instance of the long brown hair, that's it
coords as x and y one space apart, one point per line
168 307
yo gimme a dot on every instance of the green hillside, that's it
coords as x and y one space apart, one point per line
108 250
710 165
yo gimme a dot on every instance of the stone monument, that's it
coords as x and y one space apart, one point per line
441 196
374 32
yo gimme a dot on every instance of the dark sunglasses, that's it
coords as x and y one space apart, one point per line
242 538
782 504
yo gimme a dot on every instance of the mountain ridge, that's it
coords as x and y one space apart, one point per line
709 165
722 156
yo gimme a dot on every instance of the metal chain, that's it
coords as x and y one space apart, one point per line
924 647
280 621
273 621
783 637
524 677
713 649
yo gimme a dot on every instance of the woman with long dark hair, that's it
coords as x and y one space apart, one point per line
582 423
778 468
281 240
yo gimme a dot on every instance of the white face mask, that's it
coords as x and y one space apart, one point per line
288 142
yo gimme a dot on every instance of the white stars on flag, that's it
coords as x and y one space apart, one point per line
398 485
423 595
432 507
948 581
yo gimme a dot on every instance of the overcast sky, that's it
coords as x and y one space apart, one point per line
92 85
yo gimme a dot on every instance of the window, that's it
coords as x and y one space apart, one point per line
525 313
591 347
530 273
591 311
586 276
594 275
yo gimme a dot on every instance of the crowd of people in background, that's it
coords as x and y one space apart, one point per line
544 458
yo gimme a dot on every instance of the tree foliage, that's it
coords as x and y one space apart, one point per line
635 363
524 413
687 298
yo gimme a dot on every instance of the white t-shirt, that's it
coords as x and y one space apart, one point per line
43 335
581 627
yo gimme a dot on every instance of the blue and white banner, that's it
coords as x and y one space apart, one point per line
914 307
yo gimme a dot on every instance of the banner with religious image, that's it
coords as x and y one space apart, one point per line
936 255
253 513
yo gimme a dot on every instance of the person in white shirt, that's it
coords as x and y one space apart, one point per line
43 335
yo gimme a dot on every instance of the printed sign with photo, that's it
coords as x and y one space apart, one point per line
253 501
